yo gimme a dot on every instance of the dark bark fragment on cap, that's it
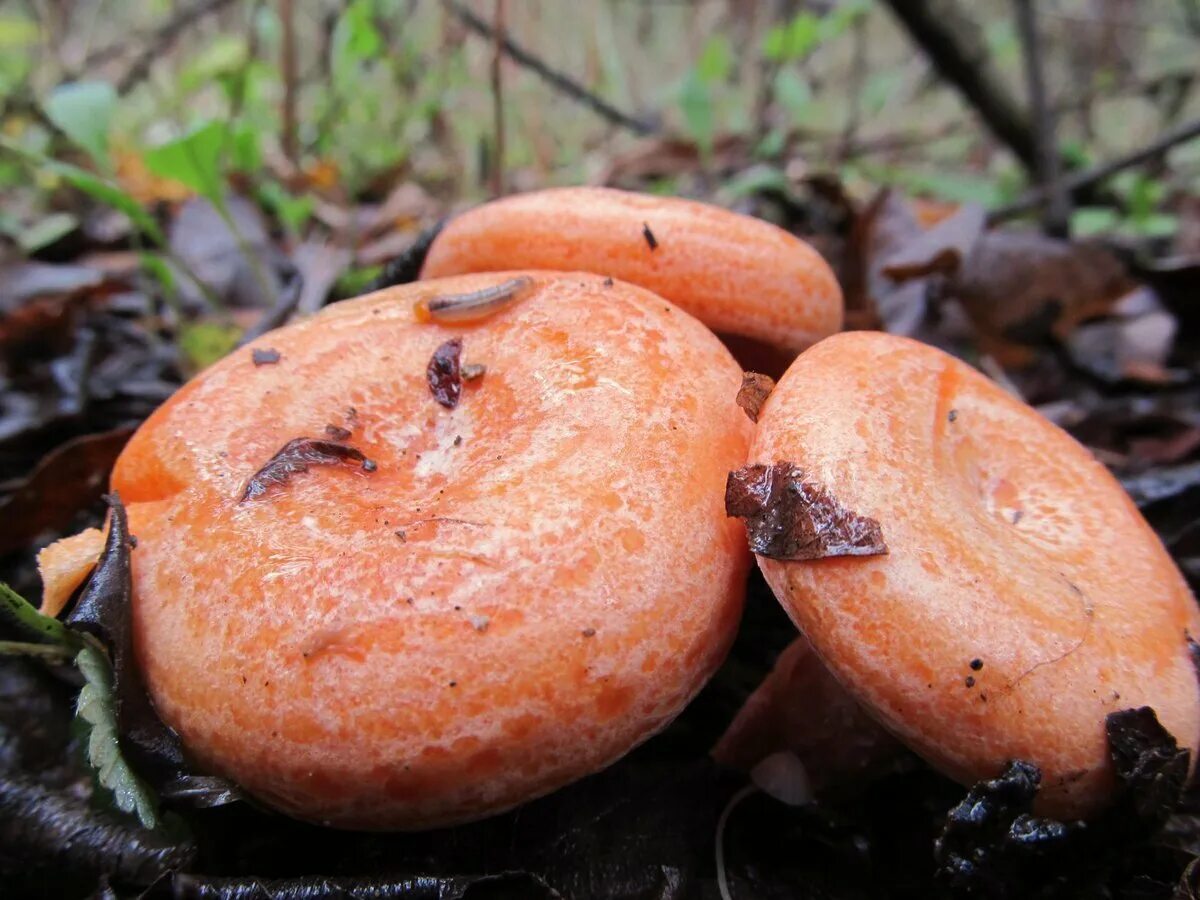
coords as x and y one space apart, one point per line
792 519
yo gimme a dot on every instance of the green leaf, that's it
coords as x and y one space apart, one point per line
97 709
716 60
245 153
355 40
294 212
697 108
1090 220
203 343
83 111
17 31
94 186
193 160
21 614
46 231
224 55
793 92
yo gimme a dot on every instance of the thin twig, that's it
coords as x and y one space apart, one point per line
498 99
1055 216
556 79
287 16
1080 181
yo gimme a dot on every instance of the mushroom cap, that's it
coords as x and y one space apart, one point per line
737 274
1010 547
565 581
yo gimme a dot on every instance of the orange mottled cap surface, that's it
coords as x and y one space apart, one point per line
1023 599
736 274
511 594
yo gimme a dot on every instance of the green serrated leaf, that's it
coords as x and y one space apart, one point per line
83 111
97 709
22 614
193 160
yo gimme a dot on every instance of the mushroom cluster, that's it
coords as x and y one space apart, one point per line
444 548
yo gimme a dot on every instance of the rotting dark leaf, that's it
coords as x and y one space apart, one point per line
58 835
754 392
104 610
789 518
295 457
265 356
1150 764
990 840
444 373
68 479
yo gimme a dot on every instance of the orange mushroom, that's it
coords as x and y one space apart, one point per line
1021 599
377 596
739 275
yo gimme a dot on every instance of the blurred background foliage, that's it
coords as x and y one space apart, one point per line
160 98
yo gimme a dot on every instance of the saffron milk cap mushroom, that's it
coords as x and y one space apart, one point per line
379 593
738 275
969 573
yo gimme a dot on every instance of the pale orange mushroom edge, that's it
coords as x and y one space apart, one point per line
516 592
737 274
1024 598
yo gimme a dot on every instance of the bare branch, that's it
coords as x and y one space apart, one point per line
556 79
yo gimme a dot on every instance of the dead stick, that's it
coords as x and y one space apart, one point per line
556 79
498 99
287 17
1080 181
1056 214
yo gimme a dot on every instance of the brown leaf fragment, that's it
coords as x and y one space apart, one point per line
753 393
295 457
941 249
473 371
445 373
337 432
651 240
264 356
789 518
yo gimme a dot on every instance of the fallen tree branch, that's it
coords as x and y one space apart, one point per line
955 48
1081 181
555 79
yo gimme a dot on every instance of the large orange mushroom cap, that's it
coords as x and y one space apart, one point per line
736 274
523 588
1023 599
